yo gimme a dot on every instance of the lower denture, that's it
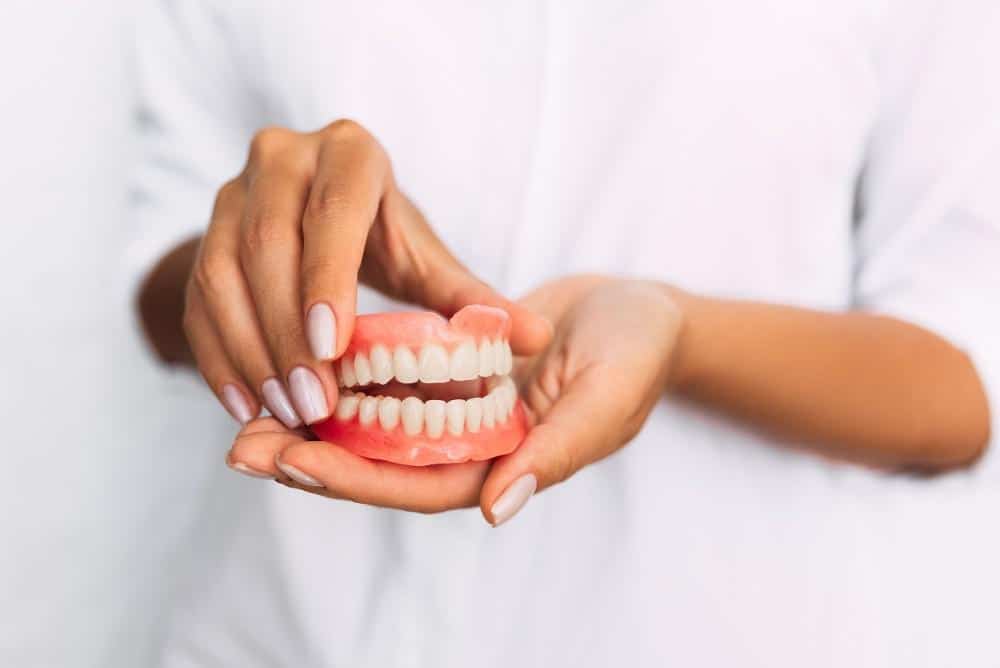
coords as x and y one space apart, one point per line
432 391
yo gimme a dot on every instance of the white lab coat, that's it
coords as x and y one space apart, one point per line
824 154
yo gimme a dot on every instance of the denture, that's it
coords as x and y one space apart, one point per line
419 389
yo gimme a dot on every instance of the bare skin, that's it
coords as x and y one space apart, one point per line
851 386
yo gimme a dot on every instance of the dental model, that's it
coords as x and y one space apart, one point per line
418 389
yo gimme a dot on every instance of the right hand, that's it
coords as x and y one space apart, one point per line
272 293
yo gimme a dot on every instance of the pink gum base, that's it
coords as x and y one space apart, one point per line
395 446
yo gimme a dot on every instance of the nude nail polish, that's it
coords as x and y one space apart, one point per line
236 404
279 404
321 331
246 470
298 476
513 498
308 395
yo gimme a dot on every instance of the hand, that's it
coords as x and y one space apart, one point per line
609 361
271 295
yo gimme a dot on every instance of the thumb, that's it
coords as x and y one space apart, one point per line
580 428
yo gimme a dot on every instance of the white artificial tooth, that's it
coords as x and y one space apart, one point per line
485 359
498 357
405 365
381 364
506 404
455 413
434 411
347 407
508 358
464 362
433 364
489 411
362 369
473 414
347 377
412 413
388 413
367 411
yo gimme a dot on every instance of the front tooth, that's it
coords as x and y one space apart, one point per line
347 407
434 411
485 359
412 413
489 411
456 416
433 364
381 364
498 357
464 362
347 377
473 414
388 413
405 364
367 411
362 369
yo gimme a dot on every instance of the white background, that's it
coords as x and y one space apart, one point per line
92 501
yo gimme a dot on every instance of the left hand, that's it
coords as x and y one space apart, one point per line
587 395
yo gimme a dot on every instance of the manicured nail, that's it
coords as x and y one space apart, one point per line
321 330
513 498
279 404
308 395
246 470
236 403
298 476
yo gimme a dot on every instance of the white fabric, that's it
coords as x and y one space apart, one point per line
824 154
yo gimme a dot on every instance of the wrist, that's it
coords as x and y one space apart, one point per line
682 365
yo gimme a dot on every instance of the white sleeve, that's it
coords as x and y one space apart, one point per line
928 236
195 115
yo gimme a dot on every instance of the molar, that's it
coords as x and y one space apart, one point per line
434 414
433 364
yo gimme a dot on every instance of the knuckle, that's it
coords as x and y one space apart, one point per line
346 130
268 142
212 273
329 203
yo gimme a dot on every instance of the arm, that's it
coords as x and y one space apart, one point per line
863 387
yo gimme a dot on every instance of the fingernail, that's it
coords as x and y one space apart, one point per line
513 499
321 330
298 476
246 470
308 395
279 404
236 403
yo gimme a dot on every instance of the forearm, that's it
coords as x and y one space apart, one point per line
862 387
160 303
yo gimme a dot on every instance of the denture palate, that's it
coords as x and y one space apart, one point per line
432 363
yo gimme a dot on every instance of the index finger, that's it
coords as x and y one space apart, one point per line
350 178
